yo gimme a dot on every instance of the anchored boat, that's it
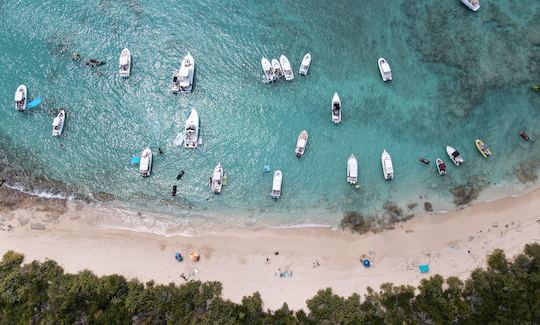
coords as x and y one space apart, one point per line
454 155
301 143
441 167
286 67
58 123
483 148
216 181
384 69
276 67
268 71
191 130
474 5
185 74
336 109
276 184
304 67
388 168
124 63
352 170
21 98
145 165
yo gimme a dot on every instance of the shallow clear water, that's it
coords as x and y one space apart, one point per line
458 75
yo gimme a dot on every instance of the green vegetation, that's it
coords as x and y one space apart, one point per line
507 292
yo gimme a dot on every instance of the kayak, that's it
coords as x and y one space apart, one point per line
483 148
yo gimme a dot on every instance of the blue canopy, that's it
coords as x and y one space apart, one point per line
424 268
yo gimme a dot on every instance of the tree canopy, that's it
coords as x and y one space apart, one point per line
505 292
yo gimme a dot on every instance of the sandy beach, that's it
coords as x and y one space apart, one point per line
452 244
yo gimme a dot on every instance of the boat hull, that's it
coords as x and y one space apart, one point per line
336 114
191 130
457 160
21 98
470 5
384 69
145 166
276 185
352 170
217 179
286 68
482 148
58 124
267 69
304 67
441 167
387 166
124 63
301 143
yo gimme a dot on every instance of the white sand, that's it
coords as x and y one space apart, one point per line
452 244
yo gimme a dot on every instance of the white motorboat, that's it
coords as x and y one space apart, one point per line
276 184
336 109
145 165
216 181
454 155
352 170
124 63
304 67
384 68
191 130
176 82
268 71
276 67
474 5
58 123
286 67
301 143
441 167
21 98
185 75
388 168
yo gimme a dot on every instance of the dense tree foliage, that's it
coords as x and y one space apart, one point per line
506 292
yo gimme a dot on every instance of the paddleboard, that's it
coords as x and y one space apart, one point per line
34 103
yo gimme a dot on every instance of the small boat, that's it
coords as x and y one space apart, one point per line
216 181
145 166
388 168
483 148
525 137
276 184
191 130
424 160
176 82
474 5
267 68
441 167
58 123
336 109
384 68
21 98
185 74
276 67
304 67
286 68
352 170
301 143
95 63
535 87
454 155
124 63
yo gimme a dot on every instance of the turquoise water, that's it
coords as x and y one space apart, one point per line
458 75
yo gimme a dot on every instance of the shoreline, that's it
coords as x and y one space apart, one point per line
452 243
